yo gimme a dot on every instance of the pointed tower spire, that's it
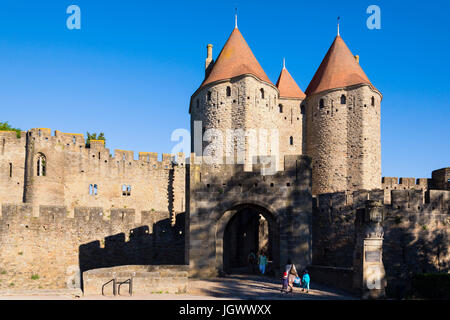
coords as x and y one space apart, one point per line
339 69
235 59
287 86
235 19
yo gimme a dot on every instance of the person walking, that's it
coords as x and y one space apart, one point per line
251 262
262 263
289 275
305 281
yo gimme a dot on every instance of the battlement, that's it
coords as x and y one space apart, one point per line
21 215
433 201
217 177
76 142
405 183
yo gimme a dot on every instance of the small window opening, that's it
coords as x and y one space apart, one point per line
10 170
262 93
321 103
373 101
280 107
228 92
291 141
208 96
126 190
343 99
41 165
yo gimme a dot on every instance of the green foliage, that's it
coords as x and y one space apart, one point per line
434 286
35 277
3 272
94 136
4 126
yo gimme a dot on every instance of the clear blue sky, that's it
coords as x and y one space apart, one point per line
133 66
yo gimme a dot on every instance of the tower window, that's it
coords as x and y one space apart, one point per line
208 96
343 99
321 103
280 107
373 101
262 93
10 170
41 165
302 109
228 92
291 141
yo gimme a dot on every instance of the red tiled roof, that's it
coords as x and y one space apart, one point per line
338 69
235 59
288 87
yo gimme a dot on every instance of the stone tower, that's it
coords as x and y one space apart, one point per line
235 112
343 124
291 119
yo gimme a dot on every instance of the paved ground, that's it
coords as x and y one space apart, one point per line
231 287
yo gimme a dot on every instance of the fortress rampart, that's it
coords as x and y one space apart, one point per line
416 239
51 250
41 169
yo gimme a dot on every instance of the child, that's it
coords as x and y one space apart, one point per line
285 282
305 281
262 263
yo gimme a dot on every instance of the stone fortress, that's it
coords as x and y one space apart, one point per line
73 215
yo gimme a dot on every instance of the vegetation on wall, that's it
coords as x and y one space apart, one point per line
5 126
94 136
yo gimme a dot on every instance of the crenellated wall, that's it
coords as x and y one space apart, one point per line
416 239
217 194
50 250
76 175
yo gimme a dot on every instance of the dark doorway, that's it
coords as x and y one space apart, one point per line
250 230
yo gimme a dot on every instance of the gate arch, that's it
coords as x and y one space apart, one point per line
226 217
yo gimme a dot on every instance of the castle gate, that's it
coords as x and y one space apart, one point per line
246 229
231 212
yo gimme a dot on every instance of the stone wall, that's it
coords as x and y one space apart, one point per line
144 280
284 199
12 166
72 170
343 139
416 226
51 250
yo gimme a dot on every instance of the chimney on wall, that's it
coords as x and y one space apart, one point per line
357 58
209 60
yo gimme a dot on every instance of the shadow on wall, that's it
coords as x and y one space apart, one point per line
410 248
165 245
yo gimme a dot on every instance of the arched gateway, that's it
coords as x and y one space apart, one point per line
244 229
232 212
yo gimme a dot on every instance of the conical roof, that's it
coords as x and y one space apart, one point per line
234 60
288 87
338 69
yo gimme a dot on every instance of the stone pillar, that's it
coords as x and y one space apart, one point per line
369 274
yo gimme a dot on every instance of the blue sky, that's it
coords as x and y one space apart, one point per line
132 67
